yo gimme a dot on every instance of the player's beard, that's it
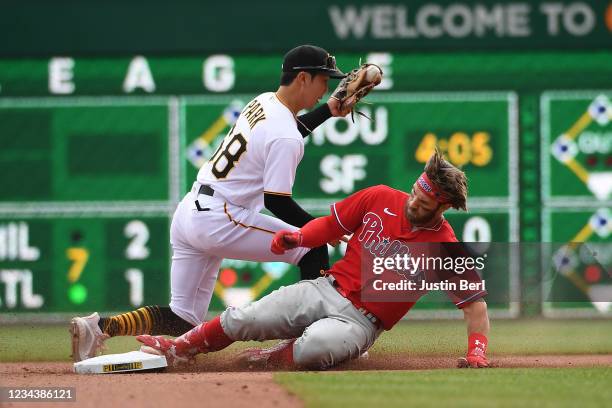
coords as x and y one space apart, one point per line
419 221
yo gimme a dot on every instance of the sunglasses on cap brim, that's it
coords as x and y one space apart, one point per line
330 67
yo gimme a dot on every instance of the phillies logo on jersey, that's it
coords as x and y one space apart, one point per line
371 239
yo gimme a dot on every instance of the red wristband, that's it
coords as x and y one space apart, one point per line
477 344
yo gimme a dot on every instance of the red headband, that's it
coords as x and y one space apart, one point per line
431 190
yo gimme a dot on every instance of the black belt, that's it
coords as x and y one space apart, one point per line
206 189
367 314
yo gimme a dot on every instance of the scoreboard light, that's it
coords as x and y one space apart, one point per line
77 294
564 149
601 110
601 222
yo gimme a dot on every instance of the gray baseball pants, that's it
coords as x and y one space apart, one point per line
328 328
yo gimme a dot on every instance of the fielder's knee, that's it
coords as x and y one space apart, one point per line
187 314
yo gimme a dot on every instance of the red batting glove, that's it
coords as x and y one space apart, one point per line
284 240
476 355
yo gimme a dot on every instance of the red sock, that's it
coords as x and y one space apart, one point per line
208 336
215 337
192 341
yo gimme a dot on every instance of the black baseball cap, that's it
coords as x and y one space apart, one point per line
311 58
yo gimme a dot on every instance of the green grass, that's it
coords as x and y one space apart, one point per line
525 336
52 343
456 388
47 343
542 387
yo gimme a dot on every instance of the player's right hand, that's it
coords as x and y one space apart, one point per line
476 356
473 361
284 240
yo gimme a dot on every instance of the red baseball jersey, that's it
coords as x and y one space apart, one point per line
376 218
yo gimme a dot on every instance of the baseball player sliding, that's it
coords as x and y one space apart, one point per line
331 316
220 217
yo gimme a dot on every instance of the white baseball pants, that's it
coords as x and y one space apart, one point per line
202 239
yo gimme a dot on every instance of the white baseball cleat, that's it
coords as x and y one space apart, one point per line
87 338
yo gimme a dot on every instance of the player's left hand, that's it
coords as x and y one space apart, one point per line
284 240
476 355
337 109
354 87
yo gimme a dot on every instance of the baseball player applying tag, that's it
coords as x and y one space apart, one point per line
254 167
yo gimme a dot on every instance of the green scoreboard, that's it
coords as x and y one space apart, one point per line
577 185
86 150
56 263
343 156
89 185
476 131
95 153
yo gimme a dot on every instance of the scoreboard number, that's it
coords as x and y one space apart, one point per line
135 278
77 292
476 229
78 257
460 148
139 234
137 249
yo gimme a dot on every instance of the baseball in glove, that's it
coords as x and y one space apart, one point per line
355 86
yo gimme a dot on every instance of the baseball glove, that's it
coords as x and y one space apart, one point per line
355 86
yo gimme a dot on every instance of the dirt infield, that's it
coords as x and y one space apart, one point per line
169 389
401 362
228 384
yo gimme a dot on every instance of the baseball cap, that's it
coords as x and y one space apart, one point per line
311 58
